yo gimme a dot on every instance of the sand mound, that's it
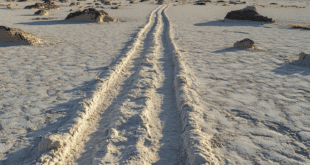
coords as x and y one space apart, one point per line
107 3
236 2
8 34
245 43
75 3
49 18
117 3
91 14
42 12
160 2
303 57
48 1
48 5
116 7
300 26
201 2
248 13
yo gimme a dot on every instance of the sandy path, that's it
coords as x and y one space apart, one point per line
142 125
131 102
144 111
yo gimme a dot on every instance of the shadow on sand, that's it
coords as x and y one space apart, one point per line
231 23
293 68
9 44
229 49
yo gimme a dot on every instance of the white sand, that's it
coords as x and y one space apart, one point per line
256 103
144 101
42 85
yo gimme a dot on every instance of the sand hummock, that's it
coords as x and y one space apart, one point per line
92 15
245 43
73 4
200 2
48 5
48 18
303 57
161 2
236 2
115 7
42 12
117 3
48 1
300 26
8 34
248 13
107 3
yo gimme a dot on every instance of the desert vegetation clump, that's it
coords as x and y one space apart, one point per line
92 15
46 5
245 43
42 12
8 34
249 13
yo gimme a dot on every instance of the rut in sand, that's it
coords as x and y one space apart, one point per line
142 125
142 114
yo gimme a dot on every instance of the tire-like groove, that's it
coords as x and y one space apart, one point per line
131 129
143 125
57 148
195 141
